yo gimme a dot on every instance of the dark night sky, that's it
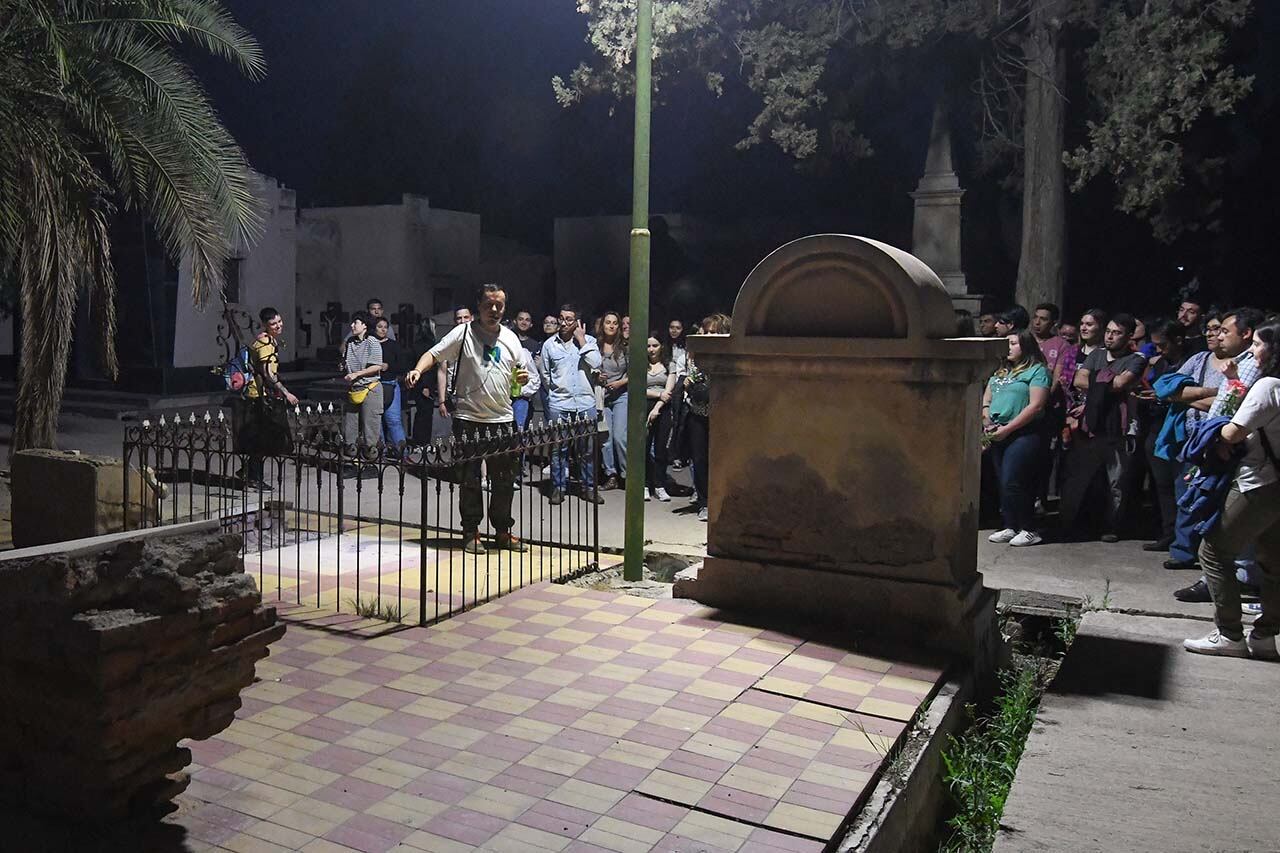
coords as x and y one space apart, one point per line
452 99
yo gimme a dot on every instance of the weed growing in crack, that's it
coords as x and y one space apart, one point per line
375 609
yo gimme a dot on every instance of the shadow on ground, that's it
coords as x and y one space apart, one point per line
1100 666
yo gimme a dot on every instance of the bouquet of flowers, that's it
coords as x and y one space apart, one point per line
1236 392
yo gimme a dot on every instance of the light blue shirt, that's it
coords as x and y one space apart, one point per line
563 368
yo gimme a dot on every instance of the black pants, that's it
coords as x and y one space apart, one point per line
502 469
241 426
423 412
655 448
697 429
1163 473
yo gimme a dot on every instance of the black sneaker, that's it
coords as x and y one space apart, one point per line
1180 565
1158 545
556 497
1197 593
1109 538
591 497
257 486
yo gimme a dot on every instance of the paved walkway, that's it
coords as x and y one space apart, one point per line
1140 746
555 718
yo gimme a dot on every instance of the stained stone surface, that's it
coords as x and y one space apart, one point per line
112 653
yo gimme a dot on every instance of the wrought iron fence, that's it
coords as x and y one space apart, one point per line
375 530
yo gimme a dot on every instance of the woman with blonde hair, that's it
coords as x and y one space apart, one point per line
1013 408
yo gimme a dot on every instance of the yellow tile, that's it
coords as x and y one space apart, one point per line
714 746
747 667
391 644
832 776
804 820
272 691
531 604
360 713
673 718
491 620
283 750
752 714
790 744
716 831
846 685
498 802
240 738
603 724
485 680
303 787
773 646
570 635
636 635
755 781
468 660
507 704
402 663
419 684
665 615
606 617
303 821
613 834
713 690
471 765
645 693
536 656
406 809
863 741
682 630
865 662
911 685
710 647
436 844
433 709
306 771
586 795
449 734
347 688
517 838
673 787
636 754
249 804
589 652
555 619
687 670
334 666
577 698
556 760
250 758
277 834
324 646
617 672
885 708
653 650
534 731
799 660
321 845
281 717
584 603
244 843
821 714
785 686
441 636
548 675
513 638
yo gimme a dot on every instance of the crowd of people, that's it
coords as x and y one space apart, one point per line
1104 412
1100 414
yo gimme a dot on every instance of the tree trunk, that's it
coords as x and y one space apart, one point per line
1042 263
47 320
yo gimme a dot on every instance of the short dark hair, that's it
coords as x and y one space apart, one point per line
372 302
362 316
1246 318
569 306
1054 311
1170 330
266 314
487 288
1099 316
1126 322
1016 317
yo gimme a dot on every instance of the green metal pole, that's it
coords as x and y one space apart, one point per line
633 553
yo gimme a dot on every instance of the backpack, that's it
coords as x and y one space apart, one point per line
237 371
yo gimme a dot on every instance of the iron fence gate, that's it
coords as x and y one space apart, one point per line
376 530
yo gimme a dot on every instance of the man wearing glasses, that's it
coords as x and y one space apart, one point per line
566 360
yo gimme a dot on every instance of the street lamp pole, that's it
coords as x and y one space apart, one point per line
638 361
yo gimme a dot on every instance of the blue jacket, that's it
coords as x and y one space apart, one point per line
1208 483
1173 433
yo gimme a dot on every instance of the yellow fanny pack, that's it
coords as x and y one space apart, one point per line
357 395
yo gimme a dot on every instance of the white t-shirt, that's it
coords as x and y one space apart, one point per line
483 385
1260 411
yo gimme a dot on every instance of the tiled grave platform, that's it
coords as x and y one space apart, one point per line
383 562
555 718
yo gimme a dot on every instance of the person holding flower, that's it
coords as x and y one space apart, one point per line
1013 408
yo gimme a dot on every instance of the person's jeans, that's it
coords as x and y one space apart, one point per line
614 450
1017 460
655 456
1087 457
392 419
362 424
501 470
699 430
521 409
1248 518
1186 542
583 449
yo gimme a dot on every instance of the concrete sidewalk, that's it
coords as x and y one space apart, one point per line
1141 746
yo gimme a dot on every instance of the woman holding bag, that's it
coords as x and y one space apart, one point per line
362 410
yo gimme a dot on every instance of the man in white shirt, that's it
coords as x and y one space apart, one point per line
488 357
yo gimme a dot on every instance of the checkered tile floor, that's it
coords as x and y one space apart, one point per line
553 719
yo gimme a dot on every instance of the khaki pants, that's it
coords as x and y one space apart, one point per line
362 424
1247 518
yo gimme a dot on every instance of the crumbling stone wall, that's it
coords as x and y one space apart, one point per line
112 654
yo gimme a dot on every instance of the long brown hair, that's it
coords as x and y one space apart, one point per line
1031 354
616 340
717 324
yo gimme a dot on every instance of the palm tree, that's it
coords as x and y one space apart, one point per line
99 112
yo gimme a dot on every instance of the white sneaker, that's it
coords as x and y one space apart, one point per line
1000 537
693 498
1262 648
1216 644
646 495
661 494
1025 538
702 514
1251 608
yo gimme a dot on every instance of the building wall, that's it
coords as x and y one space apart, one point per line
268 276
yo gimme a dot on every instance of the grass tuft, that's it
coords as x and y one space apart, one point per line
374 608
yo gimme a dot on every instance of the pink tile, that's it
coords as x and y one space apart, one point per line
221 778
558 819
735 806
763 840
441 787
338 759
378 827
685 764
655 814
679 844
508 748
211 751
530 689
659 736
371 674
386 697
554 712
577 740
527 780
612 774
400 723
351 793
465 826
